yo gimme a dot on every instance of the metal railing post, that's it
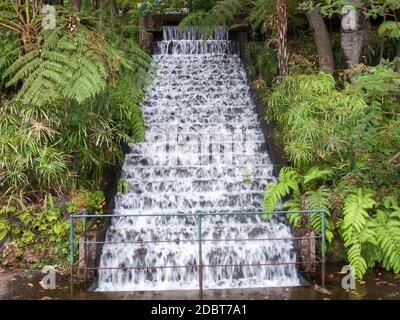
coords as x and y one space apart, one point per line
71 251
323 249
199 238
84 250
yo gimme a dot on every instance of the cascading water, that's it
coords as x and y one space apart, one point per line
204 152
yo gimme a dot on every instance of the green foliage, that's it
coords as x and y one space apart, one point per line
275 191
123 186
320 199
42 231
264 63
386 227
91 201
72 66
372 52
311 114
390 29
195 5
75 103
353 134
219 15
157 7
261 15
8 53
355 215
352 227
72 99
371 239
292 183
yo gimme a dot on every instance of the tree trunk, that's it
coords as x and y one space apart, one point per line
113 8
367 34
352 33
322 40
76 5
282 36
99 5
113 11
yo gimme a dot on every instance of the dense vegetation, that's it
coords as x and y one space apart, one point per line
342 144
70 96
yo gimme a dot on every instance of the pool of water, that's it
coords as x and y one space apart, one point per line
376 285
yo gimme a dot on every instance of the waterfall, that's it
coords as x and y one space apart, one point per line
204 152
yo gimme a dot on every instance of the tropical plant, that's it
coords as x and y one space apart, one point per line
343 146
312 115
264 64
74 105
297 186
42 231
221 14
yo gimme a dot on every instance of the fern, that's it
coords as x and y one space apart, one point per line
390 28
387 230
355 214
315 173
220 15
356 260
261 10
77 99
294 204
371 253
355 217
76 67
319 199
288 181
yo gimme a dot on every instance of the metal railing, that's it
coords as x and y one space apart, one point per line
199 218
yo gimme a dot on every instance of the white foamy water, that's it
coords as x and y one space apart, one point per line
204 152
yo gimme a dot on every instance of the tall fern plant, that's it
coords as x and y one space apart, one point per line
291 183
343 147
368 238
77 98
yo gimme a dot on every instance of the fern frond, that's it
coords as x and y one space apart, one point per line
356 259
221 14
288 181
262 9
319 199
355 217
24 71
390 28
355 214
315 173
387 229
294 204
371 254
21 62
